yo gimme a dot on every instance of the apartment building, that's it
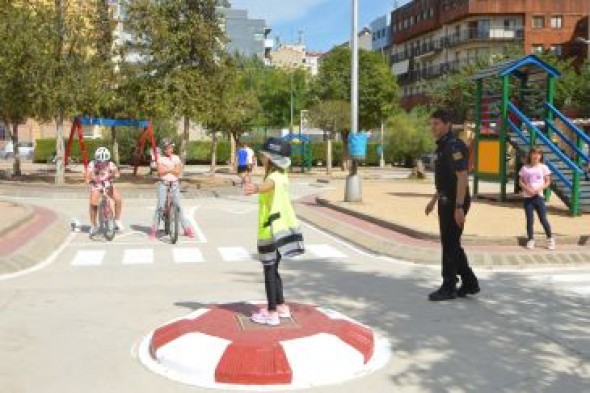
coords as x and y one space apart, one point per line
381 34
432 38
246 36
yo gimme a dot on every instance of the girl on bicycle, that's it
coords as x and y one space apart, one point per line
535 177
169 168
100 173
278 230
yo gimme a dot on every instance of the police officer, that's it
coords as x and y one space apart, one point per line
452 195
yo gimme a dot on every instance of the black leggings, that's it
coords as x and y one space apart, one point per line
530 205
273 285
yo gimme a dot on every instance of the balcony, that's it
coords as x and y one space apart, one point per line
417 51
463 37
434 71
479 35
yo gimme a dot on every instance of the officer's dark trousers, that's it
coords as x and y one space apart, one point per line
454 260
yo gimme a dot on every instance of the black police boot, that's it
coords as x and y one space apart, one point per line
468 287
445 292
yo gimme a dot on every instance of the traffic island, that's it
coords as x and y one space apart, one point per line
219 347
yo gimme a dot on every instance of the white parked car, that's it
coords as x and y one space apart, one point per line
25 150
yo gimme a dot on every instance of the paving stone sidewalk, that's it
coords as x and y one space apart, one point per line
400 204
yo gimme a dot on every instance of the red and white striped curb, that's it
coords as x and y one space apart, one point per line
220 348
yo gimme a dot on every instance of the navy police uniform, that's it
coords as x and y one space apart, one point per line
452 156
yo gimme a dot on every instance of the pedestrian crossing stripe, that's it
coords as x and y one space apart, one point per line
234 254
325 251
142 256
88 258
187 255
191 255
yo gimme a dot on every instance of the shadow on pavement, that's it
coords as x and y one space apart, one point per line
514 337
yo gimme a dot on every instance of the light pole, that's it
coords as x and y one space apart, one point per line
353 192
292 105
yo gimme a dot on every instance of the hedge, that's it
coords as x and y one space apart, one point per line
198 152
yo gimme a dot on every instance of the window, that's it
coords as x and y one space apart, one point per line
538 48
557 22
431 12
557 49
510 24
538 22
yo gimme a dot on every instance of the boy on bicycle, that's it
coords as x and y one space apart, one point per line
169 168
100 173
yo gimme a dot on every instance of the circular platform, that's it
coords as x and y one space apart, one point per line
219 347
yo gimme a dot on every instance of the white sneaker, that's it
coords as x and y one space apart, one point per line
263 317
93 231
530 244
119 225
551 243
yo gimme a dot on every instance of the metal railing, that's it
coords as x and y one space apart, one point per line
572 185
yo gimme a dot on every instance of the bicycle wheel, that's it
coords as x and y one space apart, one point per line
174 223
108 220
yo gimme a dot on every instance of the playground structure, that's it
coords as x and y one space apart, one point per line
515 106
301 149
82 121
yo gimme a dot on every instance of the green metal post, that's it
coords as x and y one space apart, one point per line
478 100
549 116
575 205
503 131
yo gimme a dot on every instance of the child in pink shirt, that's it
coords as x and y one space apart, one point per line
535 177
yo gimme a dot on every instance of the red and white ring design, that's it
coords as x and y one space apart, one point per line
211 348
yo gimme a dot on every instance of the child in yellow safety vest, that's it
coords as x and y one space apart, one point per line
278 230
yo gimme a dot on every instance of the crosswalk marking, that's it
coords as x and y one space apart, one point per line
234 254
138 256
572 282
187 255
325 251
88 258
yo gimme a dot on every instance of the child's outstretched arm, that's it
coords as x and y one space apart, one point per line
267 186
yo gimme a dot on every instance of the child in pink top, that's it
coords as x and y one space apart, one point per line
535 177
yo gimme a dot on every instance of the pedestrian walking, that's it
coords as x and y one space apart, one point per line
535 177
279 235
242 158
453 199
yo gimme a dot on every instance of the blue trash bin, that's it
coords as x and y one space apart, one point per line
357 145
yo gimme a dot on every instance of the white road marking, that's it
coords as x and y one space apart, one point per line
88 258
138 256
187 255
234 254
325 251
198 232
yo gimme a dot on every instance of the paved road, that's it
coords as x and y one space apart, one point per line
73 326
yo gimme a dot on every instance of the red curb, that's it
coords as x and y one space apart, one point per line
26 233
254 366
255 355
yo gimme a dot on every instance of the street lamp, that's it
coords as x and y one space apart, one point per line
353 192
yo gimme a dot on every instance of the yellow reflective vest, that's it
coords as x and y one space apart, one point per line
278 228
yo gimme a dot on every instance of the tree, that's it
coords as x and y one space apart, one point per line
22 60
330 116
408 136
234 107
179 44
377 86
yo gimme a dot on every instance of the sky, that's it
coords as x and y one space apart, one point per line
325 23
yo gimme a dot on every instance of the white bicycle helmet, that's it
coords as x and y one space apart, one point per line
102 154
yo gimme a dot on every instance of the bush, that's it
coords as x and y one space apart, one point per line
45 148
198 152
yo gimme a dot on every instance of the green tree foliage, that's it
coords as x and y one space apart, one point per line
408 136
377 86
179 44
23 58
